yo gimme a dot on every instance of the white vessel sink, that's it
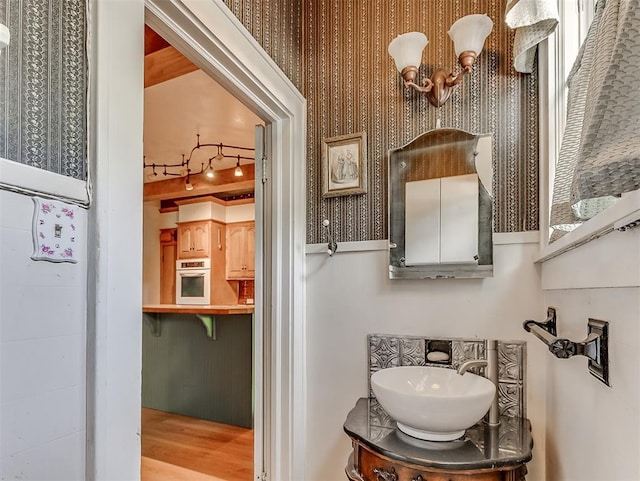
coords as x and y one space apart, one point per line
433 403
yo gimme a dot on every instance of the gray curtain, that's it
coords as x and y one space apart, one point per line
600 153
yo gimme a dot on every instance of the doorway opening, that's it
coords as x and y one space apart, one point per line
199 351
211 37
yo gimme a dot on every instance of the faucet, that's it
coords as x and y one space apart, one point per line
491 363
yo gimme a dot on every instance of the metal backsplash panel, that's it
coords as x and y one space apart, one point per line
391 351
43 85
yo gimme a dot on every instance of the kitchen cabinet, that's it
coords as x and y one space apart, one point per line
168 247
240 262
194 239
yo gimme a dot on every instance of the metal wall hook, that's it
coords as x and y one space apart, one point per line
332 247
595 347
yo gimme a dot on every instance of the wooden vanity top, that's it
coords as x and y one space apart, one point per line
210 309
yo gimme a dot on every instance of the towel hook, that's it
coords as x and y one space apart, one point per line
332 247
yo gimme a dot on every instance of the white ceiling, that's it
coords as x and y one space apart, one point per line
178 109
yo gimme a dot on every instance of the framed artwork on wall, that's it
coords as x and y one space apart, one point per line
344 165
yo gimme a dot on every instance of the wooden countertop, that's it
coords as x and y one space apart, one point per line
210 309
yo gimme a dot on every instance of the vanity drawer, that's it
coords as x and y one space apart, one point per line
375 467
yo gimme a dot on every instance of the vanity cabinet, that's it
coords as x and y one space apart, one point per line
194 239
240 262
485 453
377 467
168 245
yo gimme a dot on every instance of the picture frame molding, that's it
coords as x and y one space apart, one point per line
359 141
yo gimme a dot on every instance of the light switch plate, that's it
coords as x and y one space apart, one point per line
54 231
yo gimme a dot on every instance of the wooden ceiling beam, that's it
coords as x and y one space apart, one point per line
165 64
224 181
153 41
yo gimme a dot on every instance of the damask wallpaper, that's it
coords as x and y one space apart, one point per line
277 26
43 85
351 85
335 52
342 67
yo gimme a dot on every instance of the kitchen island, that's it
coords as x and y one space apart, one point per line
192 309
206 314
204 373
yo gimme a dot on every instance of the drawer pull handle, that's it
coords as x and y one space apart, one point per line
383 475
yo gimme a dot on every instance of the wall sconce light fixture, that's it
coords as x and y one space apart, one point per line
468 34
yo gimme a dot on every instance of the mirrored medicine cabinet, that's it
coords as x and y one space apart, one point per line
441 206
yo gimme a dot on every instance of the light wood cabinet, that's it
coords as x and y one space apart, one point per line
240 261
194 239
168 266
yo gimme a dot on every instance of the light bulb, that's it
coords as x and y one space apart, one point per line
210 173
188 185
238 172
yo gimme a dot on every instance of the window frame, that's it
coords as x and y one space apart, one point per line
556 56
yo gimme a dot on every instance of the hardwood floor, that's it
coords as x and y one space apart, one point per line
179 448
153 470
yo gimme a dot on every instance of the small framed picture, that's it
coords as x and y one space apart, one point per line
344 165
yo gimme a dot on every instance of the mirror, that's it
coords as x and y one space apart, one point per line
441 206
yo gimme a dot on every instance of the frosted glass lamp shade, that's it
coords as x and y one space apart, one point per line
469 33
406 49
4 36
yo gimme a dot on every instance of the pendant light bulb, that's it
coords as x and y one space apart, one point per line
210 173
188 185
219 156
238 172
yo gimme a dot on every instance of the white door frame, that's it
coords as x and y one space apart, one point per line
213 38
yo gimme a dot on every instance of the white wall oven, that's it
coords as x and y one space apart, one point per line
193 281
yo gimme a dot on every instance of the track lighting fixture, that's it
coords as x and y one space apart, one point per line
219 156
208 169
187 183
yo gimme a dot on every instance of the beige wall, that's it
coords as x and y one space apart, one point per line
593 431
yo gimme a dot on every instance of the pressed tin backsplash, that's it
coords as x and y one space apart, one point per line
391 351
